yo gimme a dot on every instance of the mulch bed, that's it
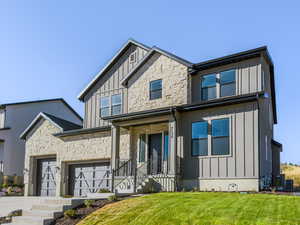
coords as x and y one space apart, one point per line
81 213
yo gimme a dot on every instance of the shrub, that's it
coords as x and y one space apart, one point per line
113 198
68 196
104 190
88 203
70 213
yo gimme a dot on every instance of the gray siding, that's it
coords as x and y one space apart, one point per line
248 77
18 118
243 159
108 85
266 126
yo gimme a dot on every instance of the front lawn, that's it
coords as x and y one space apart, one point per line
200 208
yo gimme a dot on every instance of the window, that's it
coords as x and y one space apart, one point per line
142 149
220 137
218 85
116 104
166 146
132 57
200 138
208 87
227 83
155 89
104 106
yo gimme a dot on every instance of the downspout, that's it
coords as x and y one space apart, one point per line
259 141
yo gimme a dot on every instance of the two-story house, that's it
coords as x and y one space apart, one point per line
153 119
14 118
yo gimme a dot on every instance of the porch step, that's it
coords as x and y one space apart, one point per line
42 213
51 207
33 220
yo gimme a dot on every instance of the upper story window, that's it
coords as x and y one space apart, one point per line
155 89
104 106
200 138
111 105
220 137
218 85
116 104
210 138
208 87
227 83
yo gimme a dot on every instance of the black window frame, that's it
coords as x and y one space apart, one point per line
151 97
199 139
214 153
227 83
207 87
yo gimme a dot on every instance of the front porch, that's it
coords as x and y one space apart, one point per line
152 152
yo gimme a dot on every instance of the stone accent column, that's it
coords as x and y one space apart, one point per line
173 146
115 146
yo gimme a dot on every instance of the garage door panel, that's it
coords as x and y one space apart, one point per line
88 178
46 183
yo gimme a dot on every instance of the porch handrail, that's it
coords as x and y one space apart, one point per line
125 170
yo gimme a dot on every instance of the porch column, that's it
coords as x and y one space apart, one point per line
115 146
172 145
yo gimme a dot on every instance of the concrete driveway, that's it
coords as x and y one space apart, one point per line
9 204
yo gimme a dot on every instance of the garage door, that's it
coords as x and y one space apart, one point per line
88 178
46 184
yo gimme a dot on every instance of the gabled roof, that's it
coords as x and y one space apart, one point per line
110 63
42 101
153 50
61 124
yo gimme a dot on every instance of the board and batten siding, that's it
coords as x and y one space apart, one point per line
243 159
248 77
108 85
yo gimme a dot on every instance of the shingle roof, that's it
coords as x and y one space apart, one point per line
64 124
60 123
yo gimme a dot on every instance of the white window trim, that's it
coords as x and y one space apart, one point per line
111 104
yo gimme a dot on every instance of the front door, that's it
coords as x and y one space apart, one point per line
88 178
155 153
46 182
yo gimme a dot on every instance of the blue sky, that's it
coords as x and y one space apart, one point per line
54 48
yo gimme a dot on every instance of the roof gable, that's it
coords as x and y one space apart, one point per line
121 51
148 56
61 124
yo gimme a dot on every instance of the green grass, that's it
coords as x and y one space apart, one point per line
200 208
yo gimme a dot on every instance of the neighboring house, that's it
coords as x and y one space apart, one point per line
153 119
14 118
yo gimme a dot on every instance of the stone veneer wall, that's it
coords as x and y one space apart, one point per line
41 143
174 84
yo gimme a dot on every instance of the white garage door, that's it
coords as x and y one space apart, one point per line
46 183
88 178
